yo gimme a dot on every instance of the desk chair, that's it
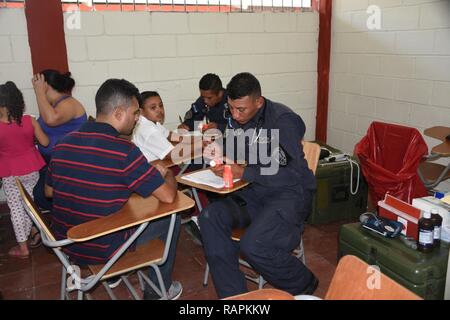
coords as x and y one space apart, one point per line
432 173
354 280
263 294
137 211
312 154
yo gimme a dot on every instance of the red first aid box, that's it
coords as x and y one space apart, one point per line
395 209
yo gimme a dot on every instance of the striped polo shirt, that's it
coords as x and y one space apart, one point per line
93 173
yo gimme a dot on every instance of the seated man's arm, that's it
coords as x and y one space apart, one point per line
167 192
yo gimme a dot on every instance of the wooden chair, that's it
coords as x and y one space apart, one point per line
263 294
355 280
431 173
312 154
137 212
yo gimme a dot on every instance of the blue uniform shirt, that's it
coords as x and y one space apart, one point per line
261 147
215 114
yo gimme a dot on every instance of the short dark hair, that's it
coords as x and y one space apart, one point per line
113 93
148 94
210 81
242 85
61 82
12 99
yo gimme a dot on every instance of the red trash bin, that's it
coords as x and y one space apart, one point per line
389 155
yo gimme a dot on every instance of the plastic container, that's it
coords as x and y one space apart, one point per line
426 233
390 155
422 273
227 176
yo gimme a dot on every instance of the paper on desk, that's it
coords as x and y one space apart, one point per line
206 177
446 199
185 133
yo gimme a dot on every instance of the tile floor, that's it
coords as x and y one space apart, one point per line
38 277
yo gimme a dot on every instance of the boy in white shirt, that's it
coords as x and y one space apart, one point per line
149 134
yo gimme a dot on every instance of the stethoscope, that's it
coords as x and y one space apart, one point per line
258 128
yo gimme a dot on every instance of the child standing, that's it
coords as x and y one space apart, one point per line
19 158
149 134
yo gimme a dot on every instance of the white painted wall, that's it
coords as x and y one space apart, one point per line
15 58
399 74
169 52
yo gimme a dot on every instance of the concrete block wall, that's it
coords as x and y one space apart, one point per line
15 57
399 73
169 52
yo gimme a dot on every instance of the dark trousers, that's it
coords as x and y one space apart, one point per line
159 229
274 231
39 191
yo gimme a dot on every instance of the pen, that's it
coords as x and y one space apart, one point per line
179 118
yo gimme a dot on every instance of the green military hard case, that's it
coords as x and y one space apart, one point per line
422 273
333 200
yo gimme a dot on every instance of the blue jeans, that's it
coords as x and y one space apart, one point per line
159 229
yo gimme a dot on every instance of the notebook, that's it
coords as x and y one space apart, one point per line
206 177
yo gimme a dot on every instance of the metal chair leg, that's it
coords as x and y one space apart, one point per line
63 283
206 275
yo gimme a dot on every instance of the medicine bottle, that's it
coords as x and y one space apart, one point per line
426 233
437 223
227 176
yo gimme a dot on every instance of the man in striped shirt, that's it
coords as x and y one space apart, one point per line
93 172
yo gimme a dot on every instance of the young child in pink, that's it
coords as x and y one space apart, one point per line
19 158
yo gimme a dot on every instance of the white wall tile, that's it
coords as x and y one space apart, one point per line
160 46
6 51
208 23
13 22
417 91
441 94
110 48
244 22
435 15
169 22
280 22
126 22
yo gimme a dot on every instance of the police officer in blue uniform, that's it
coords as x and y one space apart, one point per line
275 205
211 105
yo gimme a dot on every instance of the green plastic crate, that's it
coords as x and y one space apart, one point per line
422 273
333 200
